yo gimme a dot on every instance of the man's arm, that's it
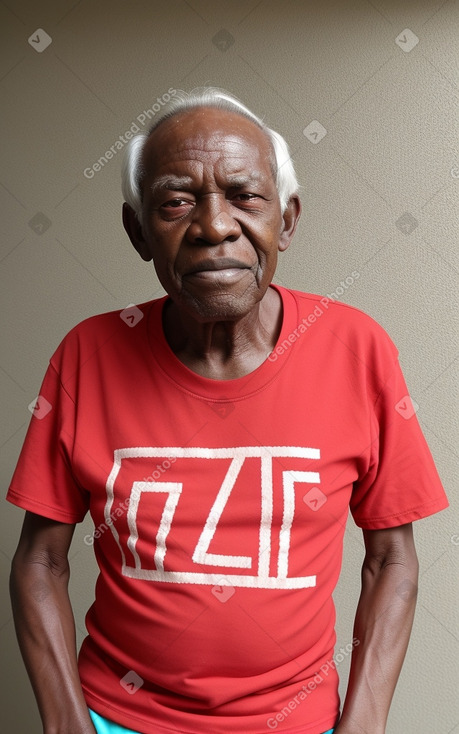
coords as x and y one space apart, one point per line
45 625
382 626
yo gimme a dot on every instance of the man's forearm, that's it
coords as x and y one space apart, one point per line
383 625
46 633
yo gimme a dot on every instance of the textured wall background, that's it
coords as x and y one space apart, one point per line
366 93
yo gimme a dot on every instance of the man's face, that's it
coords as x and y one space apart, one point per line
211 215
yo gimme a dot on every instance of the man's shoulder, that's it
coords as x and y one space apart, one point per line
90 334
98 324
344 312
348 323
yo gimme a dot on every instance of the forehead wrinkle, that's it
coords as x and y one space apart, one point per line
175 182
216 143
205 129
241 180
238 164
171 182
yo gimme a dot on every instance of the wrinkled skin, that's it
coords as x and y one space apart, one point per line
213 226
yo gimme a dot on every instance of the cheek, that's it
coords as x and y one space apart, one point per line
165 246
163 263
267 262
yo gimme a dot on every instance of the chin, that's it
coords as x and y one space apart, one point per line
218 307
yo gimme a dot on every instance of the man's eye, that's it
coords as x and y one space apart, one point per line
247 198
173 203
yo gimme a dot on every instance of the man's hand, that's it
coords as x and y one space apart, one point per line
383 626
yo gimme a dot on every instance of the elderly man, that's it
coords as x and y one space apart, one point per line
219 436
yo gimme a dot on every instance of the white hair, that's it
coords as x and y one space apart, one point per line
132 170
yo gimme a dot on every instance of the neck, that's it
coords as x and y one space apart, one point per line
225 350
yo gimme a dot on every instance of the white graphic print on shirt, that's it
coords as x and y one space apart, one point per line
173 490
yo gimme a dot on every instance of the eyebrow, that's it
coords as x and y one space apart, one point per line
239 181
172 183
179 183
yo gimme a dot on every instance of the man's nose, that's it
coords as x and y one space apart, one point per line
212 222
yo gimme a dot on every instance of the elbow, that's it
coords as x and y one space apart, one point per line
391 551
30 566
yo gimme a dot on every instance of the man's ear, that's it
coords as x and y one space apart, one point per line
290 219
135 232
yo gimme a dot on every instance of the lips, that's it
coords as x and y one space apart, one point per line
217 264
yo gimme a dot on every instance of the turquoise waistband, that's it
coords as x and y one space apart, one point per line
104 726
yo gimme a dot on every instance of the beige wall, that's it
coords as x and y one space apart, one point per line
391 119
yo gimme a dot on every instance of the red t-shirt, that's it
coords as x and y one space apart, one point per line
219 510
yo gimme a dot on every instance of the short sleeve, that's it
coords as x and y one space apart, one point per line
402 483
43 482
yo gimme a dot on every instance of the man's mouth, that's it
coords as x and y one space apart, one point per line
218 269
216 265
